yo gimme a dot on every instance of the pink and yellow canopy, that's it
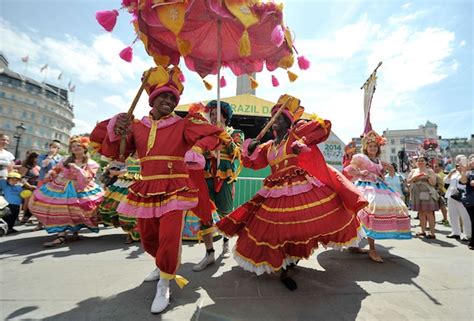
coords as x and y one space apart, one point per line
243 35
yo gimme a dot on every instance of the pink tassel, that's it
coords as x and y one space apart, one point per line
223 82
107 19
278 35
303 63
275 81
181 77
126 54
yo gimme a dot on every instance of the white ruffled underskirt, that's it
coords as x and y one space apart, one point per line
267 268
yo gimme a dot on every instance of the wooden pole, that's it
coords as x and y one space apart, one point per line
123 140
273 119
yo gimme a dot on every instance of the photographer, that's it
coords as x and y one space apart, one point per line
454 193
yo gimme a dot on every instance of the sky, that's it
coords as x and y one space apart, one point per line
425 46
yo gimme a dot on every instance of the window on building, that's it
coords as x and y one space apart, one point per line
2 94
392 150
402 141
24 114
32 116
392 141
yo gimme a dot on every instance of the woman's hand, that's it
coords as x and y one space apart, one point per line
73 166
252 146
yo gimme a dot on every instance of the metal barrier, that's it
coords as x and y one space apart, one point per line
245 188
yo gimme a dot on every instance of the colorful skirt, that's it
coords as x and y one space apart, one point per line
60 207
115 194
286 221
386 216
193 229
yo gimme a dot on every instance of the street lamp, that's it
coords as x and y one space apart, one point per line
20 130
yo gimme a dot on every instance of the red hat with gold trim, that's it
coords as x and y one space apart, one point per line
163 80
372 137
293 111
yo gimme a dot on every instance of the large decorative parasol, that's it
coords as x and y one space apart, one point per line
243 35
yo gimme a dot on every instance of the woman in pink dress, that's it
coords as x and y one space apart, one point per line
69 199
386 216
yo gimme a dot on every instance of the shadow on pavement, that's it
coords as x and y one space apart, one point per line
21 311
32 248
219 293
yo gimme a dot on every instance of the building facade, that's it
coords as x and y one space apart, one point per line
407 140
460 146
43 109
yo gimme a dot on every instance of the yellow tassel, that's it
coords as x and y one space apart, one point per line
253 83
292 76
244 45
286 62
184 46
207 84
180 281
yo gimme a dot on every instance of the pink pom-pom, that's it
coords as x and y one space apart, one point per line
107 19
181 77
126 54
303 63
223 82
275 81
278 35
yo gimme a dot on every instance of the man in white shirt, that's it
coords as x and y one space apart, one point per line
6 158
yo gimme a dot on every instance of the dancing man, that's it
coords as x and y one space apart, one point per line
161 141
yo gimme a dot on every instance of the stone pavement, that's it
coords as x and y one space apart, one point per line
100 278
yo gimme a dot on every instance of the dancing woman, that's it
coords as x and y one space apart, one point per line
303 203
386 216
69 199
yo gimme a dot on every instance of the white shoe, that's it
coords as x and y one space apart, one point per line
207 260
152 276
225 249
162 298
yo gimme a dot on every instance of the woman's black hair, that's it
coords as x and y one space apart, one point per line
29 161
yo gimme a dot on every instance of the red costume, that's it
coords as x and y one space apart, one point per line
165 190
302 203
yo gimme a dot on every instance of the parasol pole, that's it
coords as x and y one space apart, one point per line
123 139
219 54
272 120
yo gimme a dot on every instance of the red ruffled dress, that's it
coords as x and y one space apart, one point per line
303 203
